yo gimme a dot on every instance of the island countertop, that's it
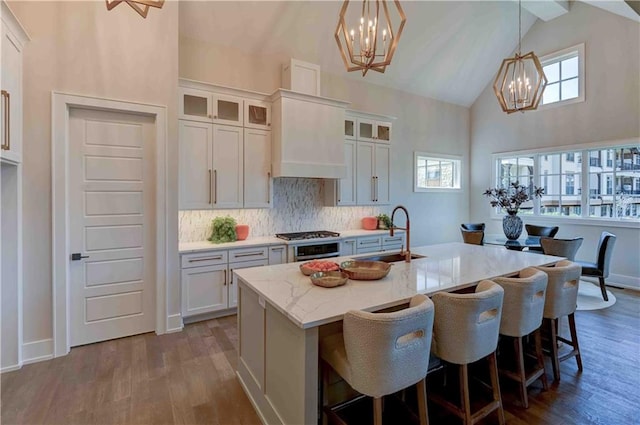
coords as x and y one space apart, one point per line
446 267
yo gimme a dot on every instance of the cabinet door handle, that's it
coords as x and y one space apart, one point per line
195 260
373 193
376 188
249 254
368 242
6 145
210 186
224 282
279 248
268 187
215 186
231 276
349 241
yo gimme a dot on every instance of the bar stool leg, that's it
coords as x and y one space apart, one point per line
422 402
465 402
517 342
539 356
377 411
574 339
495 385
553 337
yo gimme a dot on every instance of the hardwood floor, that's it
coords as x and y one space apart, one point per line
189 378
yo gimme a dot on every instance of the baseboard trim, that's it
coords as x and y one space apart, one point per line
37 351
10 368
212 315
174 323
618 280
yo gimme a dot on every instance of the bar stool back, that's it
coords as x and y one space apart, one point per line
381 353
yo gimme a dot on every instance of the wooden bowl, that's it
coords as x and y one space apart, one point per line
309 271
365 270
329 279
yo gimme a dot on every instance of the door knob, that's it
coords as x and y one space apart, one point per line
77 256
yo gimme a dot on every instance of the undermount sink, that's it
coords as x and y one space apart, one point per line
389 258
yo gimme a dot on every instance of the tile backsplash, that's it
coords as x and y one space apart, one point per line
298 206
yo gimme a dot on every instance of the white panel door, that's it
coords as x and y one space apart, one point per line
196 174
382 167
227 166
204 289
111 225
233 285
257 168
11 101
347 186
365 184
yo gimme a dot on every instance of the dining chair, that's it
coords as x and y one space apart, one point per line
474 237
523 305
561 300
600 268
533 230
466 328
382 353
472 226
561 247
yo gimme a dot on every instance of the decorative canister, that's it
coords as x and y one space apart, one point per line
242 231
512 225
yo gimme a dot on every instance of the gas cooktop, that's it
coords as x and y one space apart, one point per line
307 235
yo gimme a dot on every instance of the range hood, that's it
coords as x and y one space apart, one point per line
307 136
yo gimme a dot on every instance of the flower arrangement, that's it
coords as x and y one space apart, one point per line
512 197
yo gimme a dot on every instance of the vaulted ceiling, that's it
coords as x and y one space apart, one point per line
449 50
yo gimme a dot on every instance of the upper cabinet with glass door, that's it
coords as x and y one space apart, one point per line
204 106
374 131
257 114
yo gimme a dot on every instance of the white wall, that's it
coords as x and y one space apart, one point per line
611 112
81 48
422 124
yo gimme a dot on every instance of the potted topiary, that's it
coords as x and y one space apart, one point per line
223 230
384 221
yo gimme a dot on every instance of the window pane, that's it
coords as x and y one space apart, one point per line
551 93
570 68
552 72
570 89
437 173
446 174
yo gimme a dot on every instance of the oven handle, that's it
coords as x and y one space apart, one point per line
313 257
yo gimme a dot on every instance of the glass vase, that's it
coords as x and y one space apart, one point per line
512 225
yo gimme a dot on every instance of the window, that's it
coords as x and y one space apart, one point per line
436 172
610 176
565 76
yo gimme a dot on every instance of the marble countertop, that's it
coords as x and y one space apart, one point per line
190 247
447 267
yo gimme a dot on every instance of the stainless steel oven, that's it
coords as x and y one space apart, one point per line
304 246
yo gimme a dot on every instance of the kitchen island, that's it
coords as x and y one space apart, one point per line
282 317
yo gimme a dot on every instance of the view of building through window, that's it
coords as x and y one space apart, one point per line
436 173
610 176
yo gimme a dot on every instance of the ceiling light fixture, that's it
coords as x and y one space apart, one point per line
140 6
373 44
520 81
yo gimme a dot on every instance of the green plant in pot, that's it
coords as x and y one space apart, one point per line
384 221
223 230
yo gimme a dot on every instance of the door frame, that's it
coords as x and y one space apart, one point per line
61 103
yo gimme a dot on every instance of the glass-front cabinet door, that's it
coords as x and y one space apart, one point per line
257 114
383 131
227 110
366 130
195 105
350 128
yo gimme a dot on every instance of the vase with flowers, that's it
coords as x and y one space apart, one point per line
510 199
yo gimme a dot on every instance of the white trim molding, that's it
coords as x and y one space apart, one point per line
60 106
174 323
37 351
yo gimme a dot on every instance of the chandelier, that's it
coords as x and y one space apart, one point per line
140 6
520 80
372 42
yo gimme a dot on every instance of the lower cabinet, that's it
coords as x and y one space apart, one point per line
208 284
369 244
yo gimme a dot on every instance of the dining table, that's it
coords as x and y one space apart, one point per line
513 244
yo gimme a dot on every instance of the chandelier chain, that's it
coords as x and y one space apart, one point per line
519 27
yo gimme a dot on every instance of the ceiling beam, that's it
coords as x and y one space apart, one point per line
634 4
546 9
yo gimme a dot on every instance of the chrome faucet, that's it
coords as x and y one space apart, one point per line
407 253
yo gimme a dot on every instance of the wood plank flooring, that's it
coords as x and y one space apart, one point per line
189 378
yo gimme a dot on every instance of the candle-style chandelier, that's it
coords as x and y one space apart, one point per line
520 81
373 41
140 6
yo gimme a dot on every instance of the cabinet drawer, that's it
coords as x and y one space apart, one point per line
370 242
392 240
368 250
209 258
248 254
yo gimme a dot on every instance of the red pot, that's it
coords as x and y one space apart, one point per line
369 223
242 231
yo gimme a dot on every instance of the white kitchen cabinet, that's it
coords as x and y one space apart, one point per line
233 285
393 243
348 247
211 166
350 126
373 130
11 45
205 106
372 173
343 191
228 173
204 289
277 254
257 169
257 114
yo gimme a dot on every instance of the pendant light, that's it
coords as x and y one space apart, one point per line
140 6
520 81
373 41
